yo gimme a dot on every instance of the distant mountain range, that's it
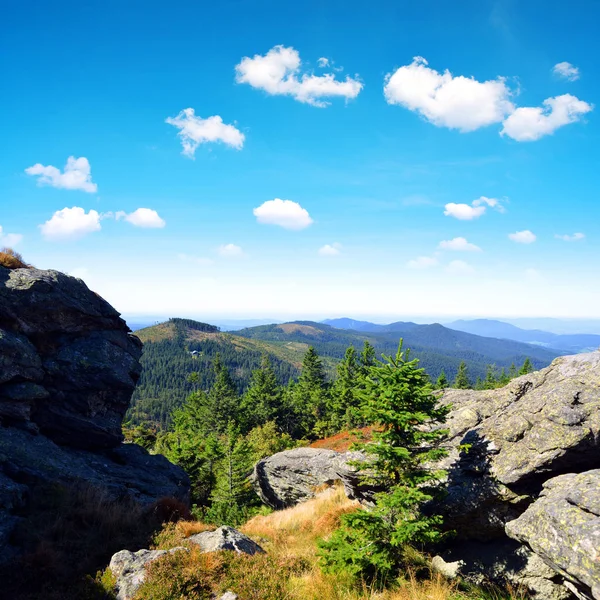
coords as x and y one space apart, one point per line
489 328
178 347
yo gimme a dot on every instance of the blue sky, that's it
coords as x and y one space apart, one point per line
375 179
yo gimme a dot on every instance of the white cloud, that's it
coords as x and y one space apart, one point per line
76 176
199 260
464 212
422 262
285 213
278 73
459 244
530 123
468 212
576 237
459 267
323 62
446 101
142 217
9 240
566 70
330 249
194 131
523 237
70 223
230 251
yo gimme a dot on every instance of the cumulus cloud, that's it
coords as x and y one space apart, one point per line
468 212
523 237
330 249
9 240
194 131
446 101
323 62
422 262
285 213
566 70
142 217
278 73
530 123
576 237
459 267
70 224
458 244
230 251
77 175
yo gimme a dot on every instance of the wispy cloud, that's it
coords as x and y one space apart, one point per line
576 237
278 72
77 175
458 244
194 131
330 249
523 237
566 70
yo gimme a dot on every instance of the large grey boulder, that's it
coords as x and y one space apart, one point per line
563 528
129 569
68 362
225 538
505 443
68 367
292 476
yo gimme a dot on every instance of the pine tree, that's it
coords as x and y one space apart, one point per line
367 356
310 395
344 400
442 381
232 494
262 402
222 400
504 378
526 368
512 372
490 381
462 377
399 403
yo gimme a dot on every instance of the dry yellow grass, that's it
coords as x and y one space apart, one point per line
290 569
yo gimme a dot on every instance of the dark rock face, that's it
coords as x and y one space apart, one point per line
68 362
291 476
68 367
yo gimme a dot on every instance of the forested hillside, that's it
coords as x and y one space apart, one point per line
176 349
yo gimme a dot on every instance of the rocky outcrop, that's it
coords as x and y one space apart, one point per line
129 569
225 538
68 367
563 528
68 362
505 445
292 476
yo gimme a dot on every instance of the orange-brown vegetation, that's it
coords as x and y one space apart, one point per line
12 260
298 328
343 441
290 568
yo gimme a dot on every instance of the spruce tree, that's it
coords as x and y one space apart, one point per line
526 368
222 399
232 494
462 377
442 381
262 402
399 403
504 378
310 395
512 372
490 381
344 399
367 356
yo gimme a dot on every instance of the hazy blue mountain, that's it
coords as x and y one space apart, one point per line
571 343
437 347
346 323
